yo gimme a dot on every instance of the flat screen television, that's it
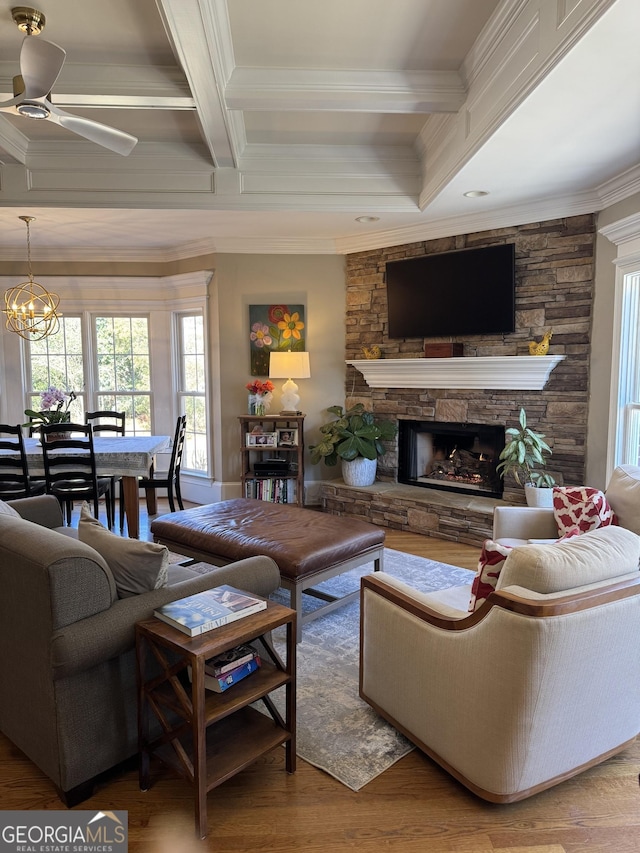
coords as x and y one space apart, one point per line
466 292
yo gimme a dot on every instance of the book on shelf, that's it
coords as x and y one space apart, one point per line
229 660
220 683
210 609
274 489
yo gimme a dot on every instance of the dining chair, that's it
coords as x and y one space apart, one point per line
109 423
15 480
71 475
170 479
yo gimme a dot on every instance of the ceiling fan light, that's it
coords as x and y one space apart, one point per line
28 20
29 109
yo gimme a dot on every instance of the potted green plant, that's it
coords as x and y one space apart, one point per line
526 452
355 436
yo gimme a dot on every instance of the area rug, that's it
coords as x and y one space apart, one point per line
336 730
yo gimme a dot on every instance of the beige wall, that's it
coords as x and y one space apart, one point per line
318 282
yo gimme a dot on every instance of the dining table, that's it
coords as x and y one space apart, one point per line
126 456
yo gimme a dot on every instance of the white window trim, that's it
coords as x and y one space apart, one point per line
157 297
208 475
625 234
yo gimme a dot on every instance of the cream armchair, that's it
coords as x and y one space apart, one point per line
539 684
519 525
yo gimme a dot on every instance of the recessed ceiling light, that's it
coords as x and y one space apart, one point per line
475 193
367 218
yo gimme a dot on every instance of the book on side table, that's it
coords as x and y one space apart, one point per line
210 609
222 682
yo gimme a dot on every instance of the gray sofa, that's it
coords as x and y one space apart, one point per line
67 657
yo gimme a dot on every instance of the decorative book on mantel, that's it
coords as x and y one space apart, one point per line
210 609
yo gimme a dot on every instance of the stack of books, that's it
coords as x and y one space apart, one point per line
222 672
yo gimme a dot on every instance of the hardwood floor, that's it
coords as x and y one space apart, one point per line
412 807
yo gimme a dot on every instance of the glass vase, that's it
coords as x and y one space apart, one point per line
251 404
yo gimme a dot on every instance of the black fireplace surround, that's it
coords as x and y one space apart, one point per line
450 456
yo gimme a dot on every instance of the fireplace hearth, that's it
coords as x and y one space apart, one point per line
451 456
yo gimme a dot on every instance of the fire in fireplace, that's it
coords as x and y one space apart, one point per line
451 456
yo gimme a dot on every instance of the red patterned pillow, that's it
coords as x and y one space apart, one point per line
490 565
580 508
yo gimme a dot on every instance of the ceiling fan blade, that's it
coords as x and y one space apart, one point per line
40 64
9 106
108 137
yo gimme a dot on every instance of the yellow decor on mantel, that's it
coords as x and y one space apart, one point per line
541 347
372 352
511 372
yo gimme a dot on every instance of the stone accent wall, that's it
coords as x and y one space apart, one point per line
554 289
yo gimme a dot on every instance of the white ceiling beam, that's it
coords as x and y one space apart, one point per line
13 144
355 91
200 34
520 46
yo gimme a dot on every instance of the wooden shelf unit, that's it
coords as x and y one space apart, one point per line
284 487
208 737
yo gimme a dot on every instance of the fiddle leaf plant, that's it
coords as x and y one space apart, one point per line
526 451
353 433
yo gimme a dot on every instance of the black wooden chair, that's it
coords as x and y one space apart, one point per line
71 475
108 423
15 480
34 427
170 479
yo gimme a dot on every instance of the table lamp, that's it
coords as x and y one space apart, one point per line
289 365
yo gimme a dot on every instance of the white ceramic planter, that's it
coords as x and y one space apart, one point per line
538 497
359 472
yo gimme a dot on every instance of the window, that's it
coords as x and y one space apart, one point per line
192 390
123 370
58 361
628 423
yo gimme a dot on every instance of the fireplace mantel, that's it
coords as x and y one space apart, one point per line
515 372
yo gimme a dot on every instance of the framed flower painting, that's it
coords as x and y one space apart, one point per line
274 328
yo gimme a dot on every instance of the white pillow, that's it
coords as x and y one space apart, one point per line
623 493
137 567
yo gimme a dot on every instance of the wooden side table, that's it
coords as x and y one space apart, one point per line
208 737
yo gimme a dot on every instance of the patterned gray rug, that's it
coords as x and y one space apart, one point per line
337 731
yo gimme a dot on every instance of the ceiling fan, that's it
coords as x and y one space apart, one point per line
40 64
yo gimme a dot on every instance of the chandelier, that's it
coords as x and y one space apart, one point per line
30 309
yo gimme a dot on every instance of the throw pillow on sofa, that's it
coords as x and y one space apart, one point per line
136 566
579 509
490 565
623 493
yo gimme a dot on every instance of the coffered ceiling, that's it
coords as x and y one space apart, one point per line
276 125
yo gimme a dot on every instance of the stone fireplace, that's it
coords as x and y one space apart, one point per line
554 290
451 456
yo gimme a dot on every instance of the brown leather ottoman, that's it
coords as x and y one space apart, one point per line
308 546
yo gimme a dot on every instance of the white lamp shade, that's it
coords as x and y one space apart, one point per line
289 365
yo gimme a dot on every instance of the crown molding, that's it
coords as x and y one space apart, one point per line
276 246
623 231
620 187
522 214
